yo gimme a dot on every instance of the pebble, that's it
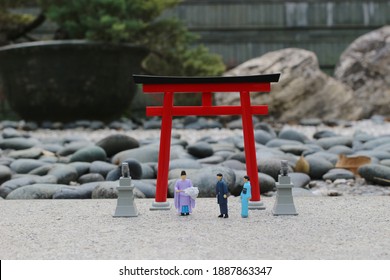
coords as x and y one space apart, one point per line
90 151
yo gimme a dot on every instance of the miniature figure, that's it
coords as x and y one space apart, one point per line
183 202
246 195
221 190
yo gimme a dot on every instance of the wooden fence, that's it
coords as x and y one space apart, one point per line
241 30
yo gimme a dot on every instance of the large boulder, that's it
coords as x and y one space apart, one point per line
303 90
365 66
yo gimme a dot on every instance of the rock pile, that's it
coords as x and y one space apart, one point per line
360 89
70 164
303 90
364 66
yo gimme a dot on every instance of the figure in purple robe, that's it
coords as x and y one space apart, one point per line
183 202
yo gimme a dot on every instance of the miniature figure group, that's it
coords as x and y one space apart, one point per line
185 194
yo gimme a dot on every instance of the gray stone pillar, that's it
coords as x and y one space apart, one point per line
284 204
125 204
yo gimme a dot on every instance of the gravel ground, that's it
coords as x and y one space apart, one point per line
326 228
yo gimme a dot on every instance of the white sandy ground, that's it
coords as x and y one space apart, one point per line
326 228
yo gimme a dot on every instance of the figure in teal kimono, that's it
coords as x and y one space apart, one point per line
183 202
246 195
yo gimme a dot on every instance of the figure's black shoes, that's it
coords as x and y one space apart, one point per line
226 216
182 214
220 216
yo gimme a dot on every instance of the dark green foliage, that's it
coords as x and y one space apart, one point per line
136 21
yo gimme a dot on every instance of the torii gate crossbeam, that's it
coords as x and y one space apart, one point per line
206 85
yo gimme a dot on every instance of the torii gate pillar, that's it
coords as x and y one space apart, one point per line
206 85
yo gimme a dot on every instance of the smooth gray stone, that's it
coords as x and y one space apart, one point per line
363 136
148 171
318 166
383 147
372 144
73 138
5 174
101 167
215 159
117 125
41 170
81 167
147 188
333 158
52 147
289 134
89 154
143 154
375 173
312 148
184 164
18 143
234 164
224 154
49 159
114 174
269 153
239 143
310 122
324 134
329 142
340 149
263 137
80 192
15 183
95 125
238 156
152 124
276 143
24 166
90 177
266 127
35 191
200 149
380 155
73 147
10 132
294 149
338 173
109 190
116 143
235 124
31 153
7 123
299 180
64 173
224 146
6 161
385 162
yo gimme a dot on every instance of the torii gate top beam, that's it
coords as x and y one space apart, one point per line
158 84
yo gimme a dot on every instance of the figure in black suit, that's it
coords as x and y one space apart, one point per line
222 194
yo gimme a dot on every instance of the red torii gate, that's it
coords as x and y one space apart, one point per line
206 85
